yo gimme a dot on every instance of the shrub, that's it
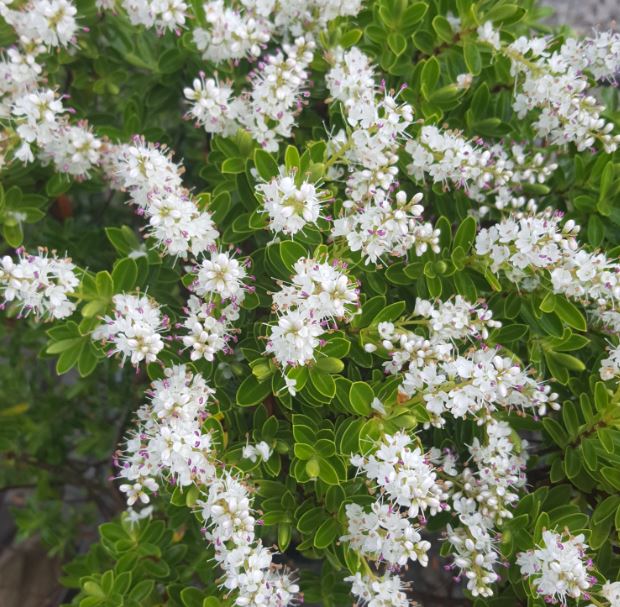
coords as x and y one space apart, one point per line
361 301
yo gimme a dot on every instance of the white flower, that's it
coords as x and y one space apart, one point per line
211 106
293 340
289 204
558 567
221 275
482 170
134 329
384 591
383 534
405 474
40 284
610 366
487 33
261 450
322 290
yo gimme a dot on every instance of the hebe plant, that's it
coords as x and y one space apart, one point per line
362 298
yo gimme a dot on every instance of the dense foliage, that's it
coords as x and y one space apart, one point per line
295 290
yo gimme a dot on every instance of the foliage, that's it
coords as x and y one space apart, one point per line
332 294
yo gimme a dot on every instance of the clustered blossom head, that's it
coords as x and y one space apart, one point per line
319 293
474 383
559 567
154 183
482 501
134 330
456 319
291 202
554 85
374 220
170 444
524 246
209 317
246 27
169 441
48 22
40 120
162 15
39 284
482 170
374 591
389 227
405 475
610 366
267 110
385 535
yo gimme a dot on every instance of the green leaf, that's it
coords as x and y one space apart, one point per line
555 430
266 166
233 166
509 333
350 38
361 396
323 382
465 234
397 43
443 29
171 61
58 184
191 597
612 476
327 533
429 76
327 471
390 313
291 158
105 285
124 275
290 252
471 54
329 364
251 392
569 313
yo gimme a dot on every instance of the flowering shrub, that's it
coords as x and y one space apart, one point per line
359 303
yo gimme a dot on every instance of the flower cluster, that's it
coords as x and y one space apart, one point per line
170 443
553 84
405 475
482 502
244 28
51 23
610 366
374 221
373 591
291 202
390 227
454 319
134 330
482 170
319 293
524 246
161 14
267 110
210 316
558 567
475 383
41 121
385 535
154 183
39 284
